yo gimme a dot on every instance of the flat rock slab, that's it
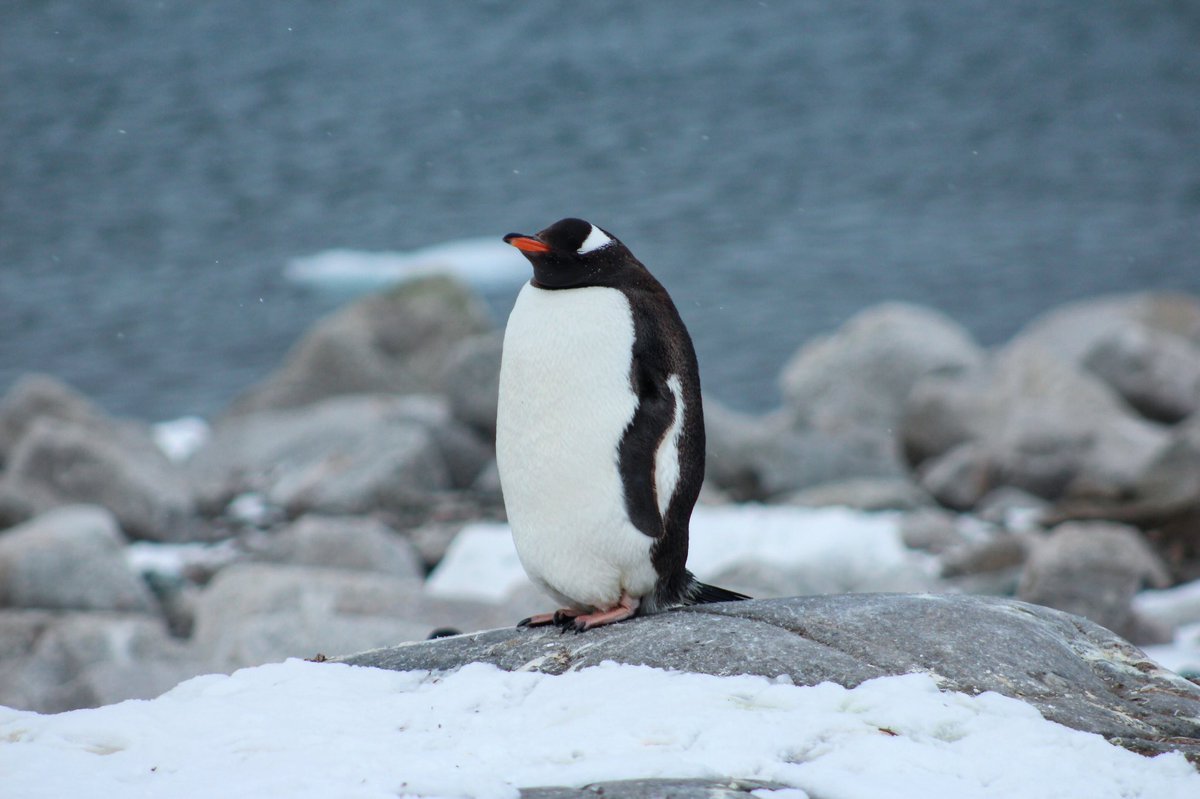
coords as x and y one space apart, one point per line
657 789
1073 671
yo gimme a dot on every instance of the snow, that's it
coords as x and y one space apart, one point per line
478 261
825 549
299 729
180 438
175 561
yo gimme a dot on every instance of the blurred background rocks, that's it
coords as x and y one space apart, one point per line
1062 468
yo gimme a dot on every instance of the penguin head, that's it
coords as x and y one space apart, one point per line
573 253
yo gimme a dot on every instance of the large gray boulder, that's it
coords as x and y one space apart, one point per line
1157 373
343 456
1072 331
394 342
857 380
38 396
764 458
61 463
60 449
1031 421
255 613
1094 569
471 381
1145 346
343 542
70 558
1073 671
76 660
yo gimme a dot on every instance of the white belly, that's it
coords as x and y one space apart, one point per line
565 401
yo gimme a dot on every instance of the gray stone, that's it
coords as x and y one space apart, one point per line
38 396
343 542
863 493
65 462
763 458
995 553
1072 331
471 381
343 456
661 789
256 613
1033 422
860 377
432 539
1157 373
70 558
393 342
90 659
930 530
1093 569
1073 671
960 477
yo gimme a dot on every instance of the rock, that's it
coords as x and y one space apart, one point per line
344 456
930 530
1170 484
70 558
90 659
1073 671
471 381
1157 373
756 459
1000 552
37 396
1071 332
863 493
60 449
961 477
432 539
1032 422
860 377
256 613
393 342
344 542
666 788
1092 569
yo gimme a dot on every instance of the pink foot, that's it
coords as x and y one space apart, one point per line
625 609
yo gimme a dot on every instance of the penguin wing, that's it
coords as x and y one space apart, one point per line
639 446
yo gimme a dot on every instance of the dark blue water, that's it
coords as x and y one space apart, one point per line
778 165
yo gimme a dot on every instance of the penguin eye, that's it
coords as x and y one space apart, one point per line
594 241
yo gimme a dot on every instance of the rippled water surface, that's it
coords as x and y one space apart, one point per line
778 165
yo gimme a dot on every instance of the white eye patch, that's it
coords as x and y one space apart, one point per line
595 240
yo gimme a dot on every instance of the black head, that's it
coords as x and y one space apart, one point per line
573 253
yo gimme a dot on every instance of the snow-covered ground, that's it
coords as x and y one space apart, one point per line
299 729
476 261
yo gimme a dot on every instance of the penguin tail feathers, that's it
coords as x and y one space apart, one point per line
703 594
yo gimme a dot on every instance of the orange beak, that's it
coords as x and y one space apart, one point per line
526 243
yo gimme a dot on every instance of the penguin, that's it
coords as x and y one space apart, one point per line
599 432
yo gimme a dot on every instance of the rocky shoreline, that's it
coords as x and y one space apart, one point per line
1062 468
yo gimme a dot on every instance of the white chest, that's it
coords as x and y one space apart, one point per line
565 402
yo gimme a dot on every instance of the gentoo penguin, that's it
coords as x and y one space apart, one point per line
599 431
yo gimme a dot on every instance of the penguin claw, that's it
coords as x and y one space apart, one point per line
560 618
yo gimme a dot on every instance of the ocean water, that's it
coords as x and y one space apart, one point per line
778 165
